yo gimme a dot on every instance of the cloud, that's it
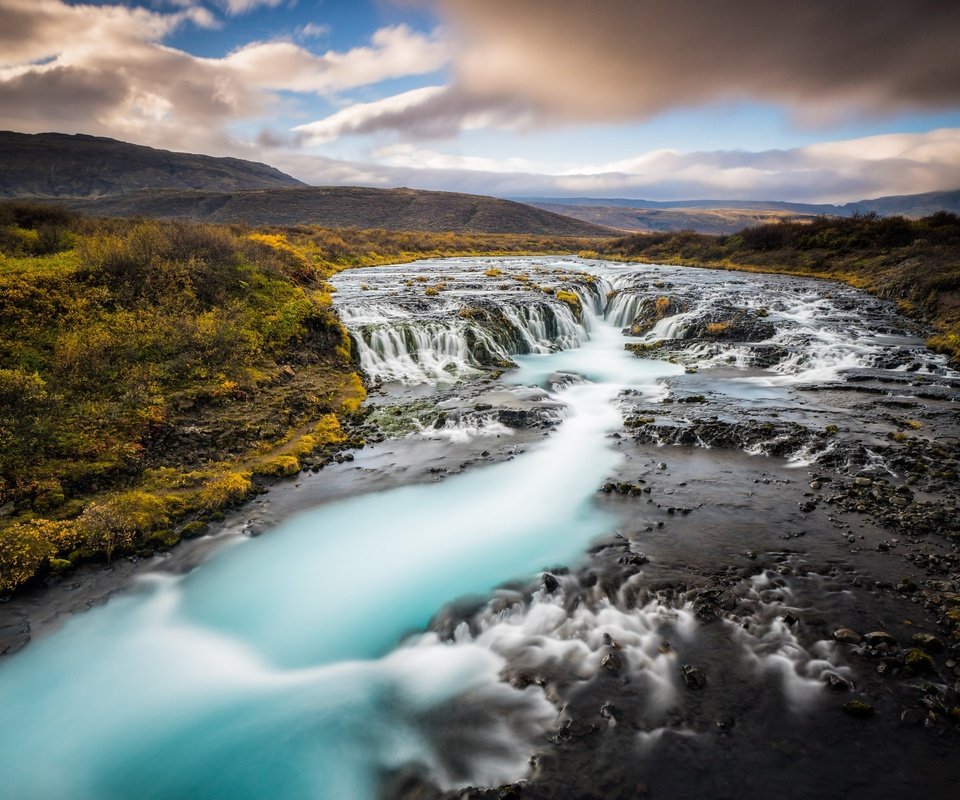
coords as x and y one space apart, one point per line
243 6
105 70
409 110
313 30
621 60
829 172
394 51
429 112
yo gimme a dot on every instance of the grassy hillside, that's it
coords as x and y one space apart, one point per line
913 262
57 165
652 220
348 206
151 373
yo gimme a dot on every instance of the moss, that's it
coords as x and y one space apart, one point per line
570 298
859 709
278 466
60 565
161 540
918 661
194 529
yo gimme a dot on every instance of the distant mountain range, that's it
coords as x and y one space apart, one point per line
728 216
705 220
111 178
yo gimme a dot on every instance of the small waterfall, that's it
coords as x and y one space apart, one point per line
460 343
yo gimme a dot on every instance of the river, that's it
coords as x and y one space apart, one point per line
491 605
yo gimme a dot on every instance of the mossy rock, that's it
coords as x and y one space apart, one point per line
162 540
859 709
194 529
918 661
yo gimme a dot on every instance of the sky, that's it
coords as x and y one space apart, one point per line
823 101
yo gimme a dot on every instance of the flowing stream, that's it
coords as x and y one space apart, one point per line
295 664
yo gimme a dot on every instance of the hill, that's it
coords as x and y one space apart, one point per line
346 207
58 165
718 221
908 205
730 216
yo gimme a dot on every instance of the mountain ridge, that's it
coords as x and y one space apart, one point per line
53 166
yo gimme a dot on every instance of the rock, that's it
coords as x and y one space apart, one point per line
611 662
550 583
918 661
875 638
836 683
194 529
847 636
863 481
693 677
859 709
912 716
928 642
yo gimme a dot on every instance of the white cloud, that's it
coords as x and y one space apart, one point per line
406 155
313 30
105 70
831 172
359 117
243 6
394 52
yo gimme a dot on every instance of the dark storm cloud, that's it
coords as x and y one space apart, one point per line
621 59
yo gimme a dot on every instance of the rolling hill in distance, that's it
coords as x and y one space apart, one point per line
107 177
347 207
729 216
58 165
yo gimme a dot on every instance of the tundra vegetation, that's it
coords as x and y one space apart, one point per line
153 374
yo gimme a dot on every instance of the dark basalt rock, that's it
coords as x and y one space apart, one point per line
693 677
730 324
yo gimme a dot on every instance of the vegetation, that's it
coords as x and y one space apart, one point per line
913 262
345 207
152 373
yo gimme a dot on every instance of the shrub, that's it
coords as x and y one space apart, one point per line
115 524
224 491
23 551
